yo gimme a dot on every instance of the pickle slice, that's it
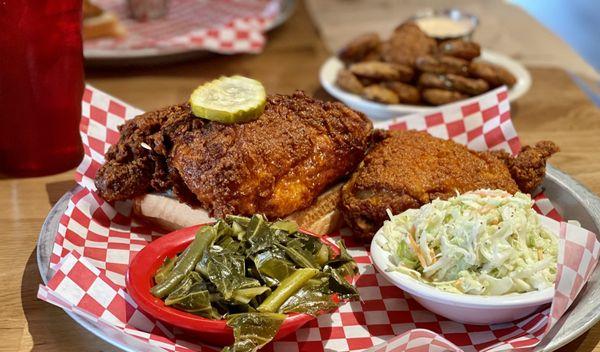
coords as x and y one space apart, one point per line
229 100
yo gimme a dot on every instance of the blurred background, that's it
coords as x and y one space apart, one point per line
574 21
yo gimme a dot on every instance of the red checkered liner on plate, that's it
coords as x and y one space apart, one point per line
96 241
223 26
480 123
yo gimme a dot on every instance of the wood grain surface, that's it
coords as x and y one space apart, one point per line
554 109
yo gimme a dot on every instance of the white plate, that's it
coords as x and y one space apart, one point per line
379 111
160 55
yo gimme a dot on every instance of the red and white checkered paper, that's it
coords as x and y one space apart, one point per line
222 26
96 241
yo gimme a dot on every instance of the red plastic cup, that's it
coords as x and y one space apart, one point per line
41 84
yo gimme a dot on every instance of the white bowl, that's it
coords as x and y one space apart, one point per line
377 111
463 308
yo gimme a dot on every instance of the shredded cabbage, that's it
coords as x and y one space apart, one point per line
486 242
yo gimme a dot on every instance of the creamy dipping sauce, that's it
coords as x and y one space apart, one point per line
445 27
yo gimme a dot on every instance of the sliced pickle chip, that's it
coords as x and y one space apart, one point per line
229 100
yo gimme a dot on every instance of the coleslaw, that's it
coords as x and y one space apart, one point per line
485 242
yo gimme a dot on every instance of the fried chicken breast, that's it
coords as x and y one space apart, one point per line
407 169
274 165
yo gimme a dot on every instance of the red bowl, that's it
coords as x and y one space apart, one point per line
140 278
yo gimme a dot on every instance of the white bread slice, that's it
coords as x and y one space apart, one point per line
322 217
104 25
168 212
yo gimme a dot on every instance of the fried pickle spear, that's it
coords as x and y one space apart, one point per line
442 65
348 82
495 75
381 94
383 71
470 86
360 48
406 44
460 48
436 96
406 93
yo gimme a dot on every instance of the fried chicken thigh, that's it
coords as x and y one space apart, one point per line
407 169
274 165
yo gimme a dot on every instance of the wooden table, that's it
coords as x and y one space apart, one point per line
554 109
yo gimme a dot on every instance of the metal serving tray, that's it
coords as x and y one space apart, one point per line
572 200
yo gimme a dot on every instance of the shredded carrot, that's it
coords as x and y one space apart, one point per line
432 255
415 247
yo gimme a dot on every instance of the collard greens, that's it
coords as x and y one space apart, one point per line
250 272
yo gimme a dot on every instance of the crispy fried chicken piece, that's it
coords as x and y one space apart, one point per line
384 71
407 169
348 82
460 48
381 94
528 168
436 96
276 164
495 75
406 44
116 180
361 47
442 65
137 164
